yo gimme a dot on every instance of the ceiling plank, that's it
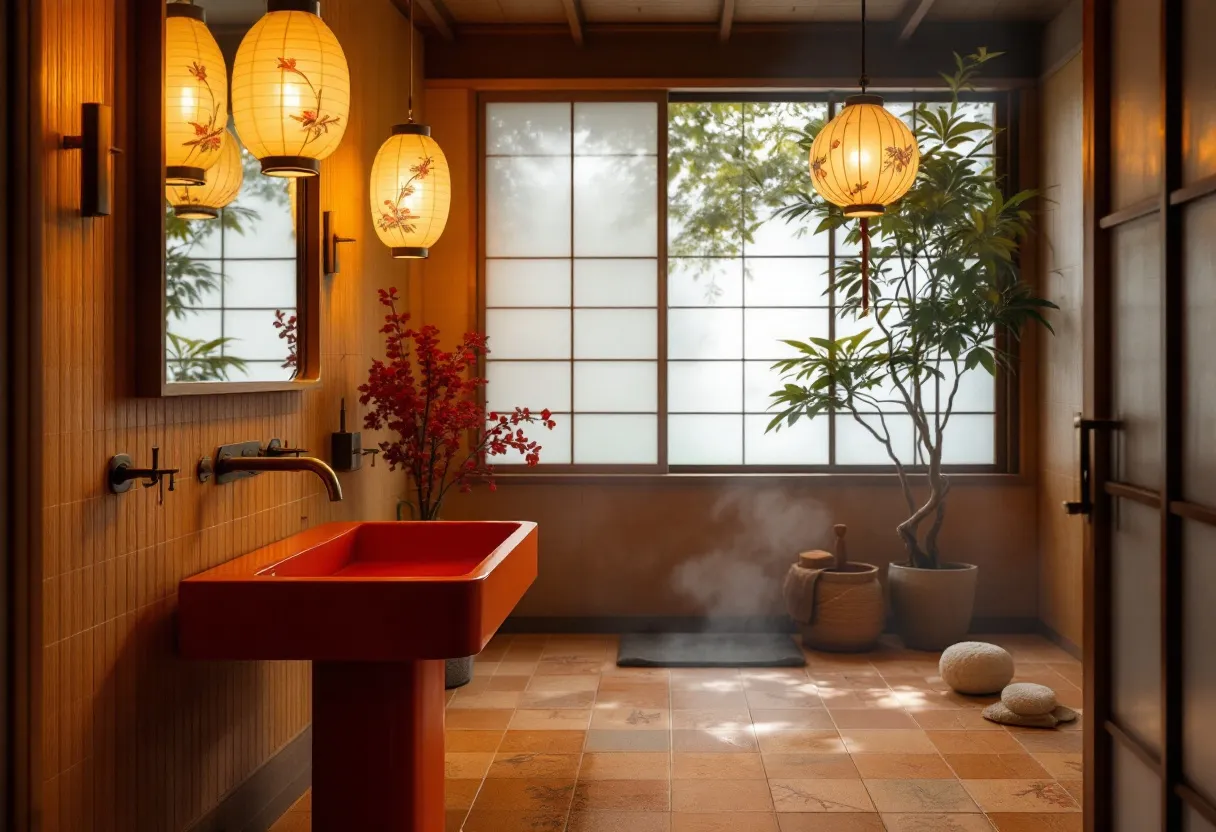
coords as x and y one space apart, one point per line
726 20
914 11
574 14
436 13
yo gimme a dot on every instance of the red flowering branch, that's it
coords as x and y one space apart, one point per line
444 438
288 328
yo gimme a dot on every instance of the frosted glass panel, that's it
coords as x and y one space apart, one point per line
528 333
533 384
1196 823
265 284
615 210
704 333
254 335
782 281
976 389
806 443
761 380
620 440
849 324
705 386
705 440
703 281
776 238
1136 356
1199 384
616 386
616 333
527 207
857 446
616 282
197 326
763 329
528 129
527 283
626 128
969 440
554 444
1136 621
1199 660
1136 793
272 230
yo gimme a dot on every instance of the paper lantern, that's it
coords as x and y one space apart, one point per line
224 180
196 95
290 89
411 191
865 158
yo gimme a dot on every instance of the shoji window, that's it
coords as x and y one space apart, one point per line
571 273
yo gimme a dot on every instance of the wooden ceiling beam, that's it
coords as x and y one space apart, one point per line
574 16
726 20
911 16
436 13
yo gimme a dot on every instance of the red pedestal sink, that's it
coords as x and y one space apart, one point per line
376 607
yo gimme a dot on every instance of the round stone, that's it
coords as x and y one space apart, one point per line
975 667
1029 699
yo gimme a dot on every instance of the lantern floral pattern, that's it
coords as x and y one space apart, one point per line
196 96
208 135
864 158
314 122
396 216
410 191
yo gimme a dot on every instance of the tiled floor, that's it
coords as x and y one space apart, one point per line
552 736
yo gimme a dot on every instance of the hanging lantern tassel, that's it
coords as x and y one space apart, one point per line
865 267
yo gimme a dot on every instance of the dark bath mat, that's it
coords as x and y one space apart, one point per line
709 650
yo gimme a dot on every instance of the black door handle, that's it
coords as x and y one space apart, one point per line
1086 427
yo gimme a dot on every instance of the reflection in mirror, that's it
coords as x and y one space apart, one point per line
232 261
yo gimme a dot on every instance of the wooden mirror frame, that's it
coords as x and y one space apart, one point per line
146 164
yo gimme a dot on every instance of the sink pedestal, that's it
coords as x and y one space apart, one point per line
377 758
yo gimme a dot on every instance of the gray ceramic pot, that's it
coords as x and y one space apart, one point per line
458 672
932 607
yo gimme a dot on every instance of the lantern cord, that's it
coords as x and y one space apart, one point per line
411 92
865 267
864 81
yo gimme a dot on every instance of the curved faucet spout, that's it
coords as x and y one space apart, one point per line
256 464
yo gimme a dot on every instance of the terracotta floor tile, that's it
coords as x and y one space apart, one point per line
902 767
941 796
705 719
293 822
685 766
958 719
995 766
548 742
974 742
843 822
552 719
497 820
515 683
1076 788
684 699
547 667
642 697
1073 672
786 698
477 719
871 718
562 683
547 699
515 668
806 766
453 820
820 796
532 764
721 796
716 678
626 765
767 719
1034 822
726 741
757 677
472 740
1021 796
490 699
724 822
630 718
459 794
622 795
877 741
1052 742
618 740
531 795
619 822
808 740
936 823
459 765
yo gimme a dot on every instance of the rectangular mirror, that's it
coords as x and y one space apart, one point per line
229 269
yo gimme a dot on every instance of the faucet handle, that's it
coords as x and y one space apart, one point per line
275 448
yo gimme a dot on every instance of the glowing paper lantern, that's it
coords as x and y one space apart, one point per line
290 89
411 191
196 95
865 158
224 179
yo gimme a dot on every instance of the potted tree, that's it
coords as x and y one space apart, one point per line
948 298
444 437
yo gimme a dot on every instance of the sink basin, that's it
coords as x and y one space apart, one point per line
376 607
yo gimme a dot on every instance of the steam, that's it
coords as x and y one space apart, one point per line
761 534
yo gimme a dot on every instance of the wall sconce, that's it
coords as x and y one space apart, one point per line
95 144
196 95
223 183
291 89
329 248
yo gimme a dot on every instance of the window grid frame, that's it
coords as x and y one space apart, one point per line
1004 160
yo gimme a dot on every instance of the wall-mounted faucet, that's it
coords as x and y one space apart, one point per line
244 459
123 474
